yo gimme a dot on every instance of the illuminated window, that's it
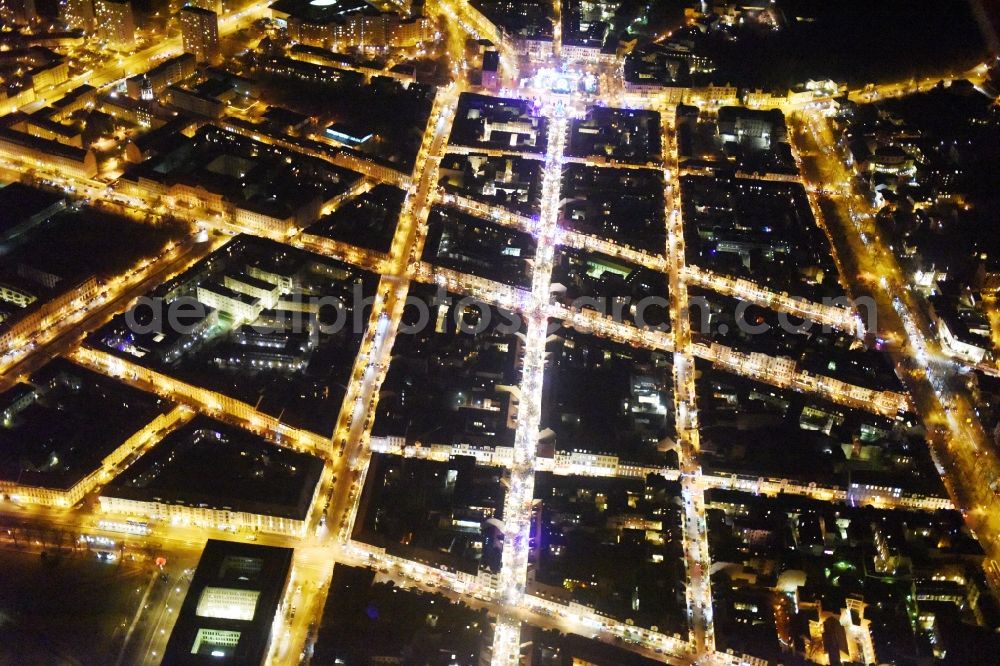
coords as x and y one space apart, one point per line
244 567
227 603
216 642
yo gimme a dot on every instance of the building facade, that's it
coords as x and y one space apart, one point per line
116 23
200 32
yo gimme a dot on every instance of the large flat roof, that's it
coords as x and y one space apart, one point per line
208 463
230 606
78 419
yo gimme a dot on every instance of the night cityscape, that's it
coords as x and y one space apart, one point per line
499 332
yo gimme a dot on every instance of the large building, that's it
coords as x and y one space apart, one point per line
78 14
41 66
349 23
751 128
218 170
200 32
18 11
212 475
234 599
165 74
19 145
116 22
68 430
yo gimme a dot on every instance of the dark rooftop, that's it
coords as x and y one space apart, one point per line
208 463
77 418
230 606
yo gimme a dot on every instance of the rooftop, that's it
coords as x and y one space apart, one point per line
207 463
74 420
447 386
606 397
303 385
230 606
623 205
368 220
441 513
469 244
